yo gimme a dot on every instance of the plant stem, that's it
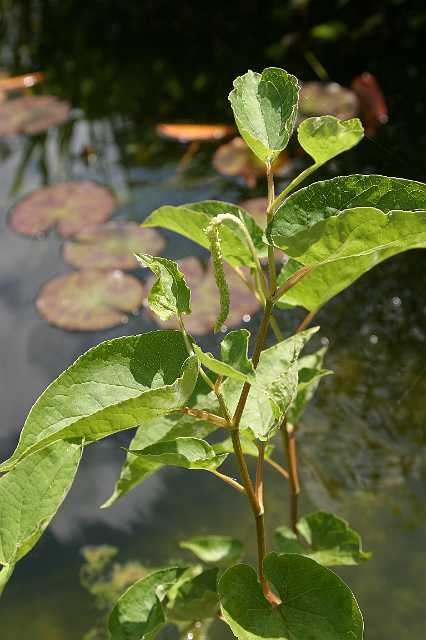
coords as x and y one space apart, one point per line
200 414
233 483
275 465
289 443
259 475
276 329
269 215
293 184
292 280
306 321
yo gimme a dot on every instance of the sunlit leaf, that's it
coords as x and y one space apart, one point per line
234 350
32 114
139 612
191 221
221 368
118 384
31 494
316 603
323 537
214 549
66 206
189 453
325 98
195 598
90 300
265 110
325 137
310 373
169 295
111 246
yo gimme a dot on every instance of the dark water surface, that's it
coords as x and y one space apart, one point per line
362 442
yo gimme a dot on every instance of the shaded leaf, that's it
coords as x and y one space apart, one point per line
118 384
191 220
234 350
139 612
169 295
214 549
66 206
265 110
111 246
325 137
90 300
189 453
31 494
316 603
195 598
325 538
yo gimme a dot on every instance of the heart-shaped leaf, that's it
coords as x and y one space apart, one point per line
315 602
326 539
90 300
189 453
117 385
214 549
169 295
191 221
265 110
194 598
326 137
66 206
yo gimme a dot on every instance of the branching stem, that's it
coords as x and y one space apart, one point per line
289 442
233 483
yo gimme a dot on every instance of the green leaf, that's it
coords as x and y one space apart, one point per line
139 612
325 137
169 295
31 494
191 221
195 598
316 603
189 453
265 110
310 373
214 549
327 539
221 368
234 350
118 384
5 575
321 200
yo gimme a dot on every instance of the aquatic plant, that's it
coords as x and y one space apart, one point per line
332 232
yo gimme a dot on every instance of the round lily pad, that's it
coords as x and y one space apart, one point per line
195 132
90 300
235 159
205 299
68 206
328 98
32 114
111 246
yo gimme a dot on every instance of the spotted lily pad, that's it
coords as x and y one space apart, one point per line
90 300
68 206
195 132
328 98
235 159
205 298
32 114
111 246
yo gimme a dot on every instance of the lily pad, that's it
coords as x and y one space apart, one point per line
68 206
235 159
32 114
205 298
90 300
195 132
111 246
328 98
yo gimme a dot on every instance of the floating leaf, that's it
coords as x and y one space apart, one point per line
316 603
32 114
111 246
195 132
67 206
326 538
90 300
325 137
235 159
205 301
194 598
117 385
31 494
189 453
310 373
265 110
139 612
234 350
214 549
191 221
169 296
328 98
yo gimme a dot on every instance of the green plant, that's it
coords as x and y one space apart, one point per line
332 232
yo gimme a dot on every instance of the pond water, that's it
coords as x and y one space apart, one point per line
362 441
